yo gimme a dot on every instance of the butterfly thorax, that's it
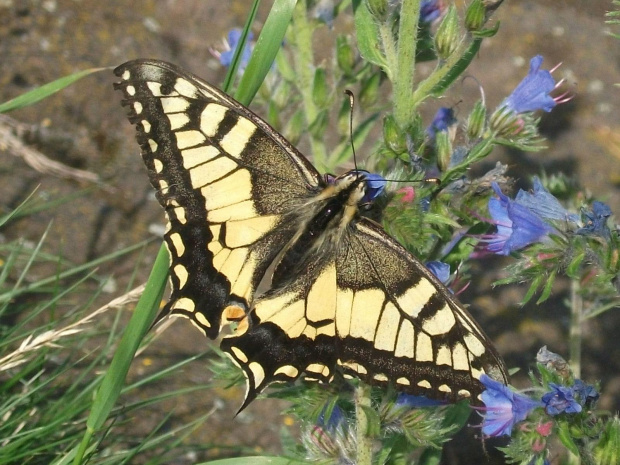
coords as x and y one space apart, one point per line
323 220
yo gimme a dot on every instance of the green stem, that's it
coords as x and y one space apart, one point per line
389 49
455 63
301 35
479 152
404 74
575 328
364 441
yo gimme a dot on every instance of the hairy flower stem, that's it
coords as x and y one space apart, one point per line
575 328
404 74
364 441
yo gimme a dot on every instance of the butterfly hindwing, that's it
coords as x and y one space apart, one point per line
226 181
374 312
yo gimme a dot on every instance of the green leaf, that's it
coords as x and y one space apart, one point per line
430 456
607 451
283 63
320 89
114 379
573 267
237 56
456 415
459 67
547 375
266 49
373 422
45 90
317 127
485 33
596 311
536 283
367 32
345 56
566 438
546 292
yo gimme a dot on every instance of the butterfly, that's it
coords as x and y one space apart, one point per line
257 237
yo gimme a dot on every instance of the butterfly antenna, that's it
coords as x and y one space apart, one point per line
351 106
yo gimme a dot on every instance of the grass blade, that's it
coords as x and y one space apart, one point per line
45 90
114 379
267 46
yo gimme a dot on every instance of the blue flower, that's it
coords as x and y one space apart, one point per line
596 220
330 424
375 185
544 204
585 393
410 401
532 93
324 12
517 226
430 10
440 269
326 432
226 56
560 400
503 407
444 118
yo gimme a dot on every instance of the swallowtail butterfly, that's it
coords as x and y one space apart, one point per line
244 207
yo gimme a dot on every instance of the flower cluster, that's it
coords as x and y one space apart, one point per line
504 408
536 414
532 217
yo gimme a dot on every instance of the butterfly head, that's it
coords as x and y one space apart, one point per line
364 186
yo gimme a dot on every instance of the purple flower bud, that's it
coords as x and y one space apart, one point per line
375 185
596 220
560 400
444 118
430 10
586 394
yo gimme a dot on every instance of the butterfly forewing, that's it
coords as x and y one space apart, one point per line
344 295
226 181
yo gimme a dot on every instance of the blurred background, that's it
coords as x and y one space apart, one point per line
84 127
